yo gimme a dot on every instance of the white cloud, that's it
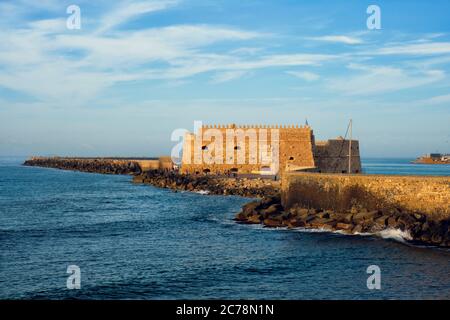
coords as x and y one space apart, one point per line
443 99
246 51
430 48
372 80
49 25
338 39
143 46
48 62
43 59
200 63
130 10
305 75
227 76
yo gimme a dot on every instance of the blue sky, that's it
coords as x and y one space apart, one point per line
137 70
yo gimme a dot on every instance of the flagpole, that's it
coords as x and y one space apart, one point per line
350 150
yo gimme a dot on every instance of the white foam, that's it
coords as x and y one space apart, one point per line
319 230
390 233
395 234
202 192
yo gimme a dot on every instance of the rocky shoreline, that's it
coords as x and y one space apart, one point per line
416 227
211 184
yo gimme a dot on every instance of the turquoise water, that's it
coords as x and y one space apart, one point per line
139 242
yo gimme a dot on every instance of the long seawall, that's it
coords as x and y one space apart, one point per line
111 165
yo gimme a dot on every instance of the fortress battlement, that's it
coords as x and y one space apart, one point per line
254 126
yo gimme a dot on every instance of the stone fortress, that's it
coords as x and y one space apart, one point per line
314 189
261 146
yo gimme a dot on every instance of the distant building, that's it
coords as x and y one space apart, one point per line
434 156
217 150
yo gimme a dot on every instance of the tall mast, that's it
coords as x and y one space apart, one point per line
350 149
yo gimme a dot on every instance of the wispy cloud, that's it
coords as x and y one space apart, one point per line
373 80
442 99
246 51
338 39
43 59
228 76
131 9
304 75
430 48
48 62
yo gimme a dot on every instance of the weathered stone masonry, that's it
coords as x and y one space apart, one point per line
424 194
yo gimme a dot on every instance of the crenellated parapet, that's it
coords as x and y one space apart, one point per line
254 126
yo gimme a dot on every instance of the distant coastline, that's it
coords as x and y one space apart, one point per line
433 158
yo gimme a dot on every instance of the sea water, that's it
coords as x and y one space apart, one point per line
140 242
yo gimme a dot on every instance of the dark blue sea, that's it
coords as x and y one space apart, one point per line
139 242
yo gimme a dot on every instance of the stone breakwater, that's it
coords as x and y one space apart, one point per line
97 165
415 227
415 206
210 184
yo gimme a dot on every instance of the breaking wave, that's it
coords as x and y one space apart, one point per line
395 234
202 192
390 233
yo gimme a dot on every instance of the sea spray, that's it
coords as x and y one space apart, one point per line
202 192
395 234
